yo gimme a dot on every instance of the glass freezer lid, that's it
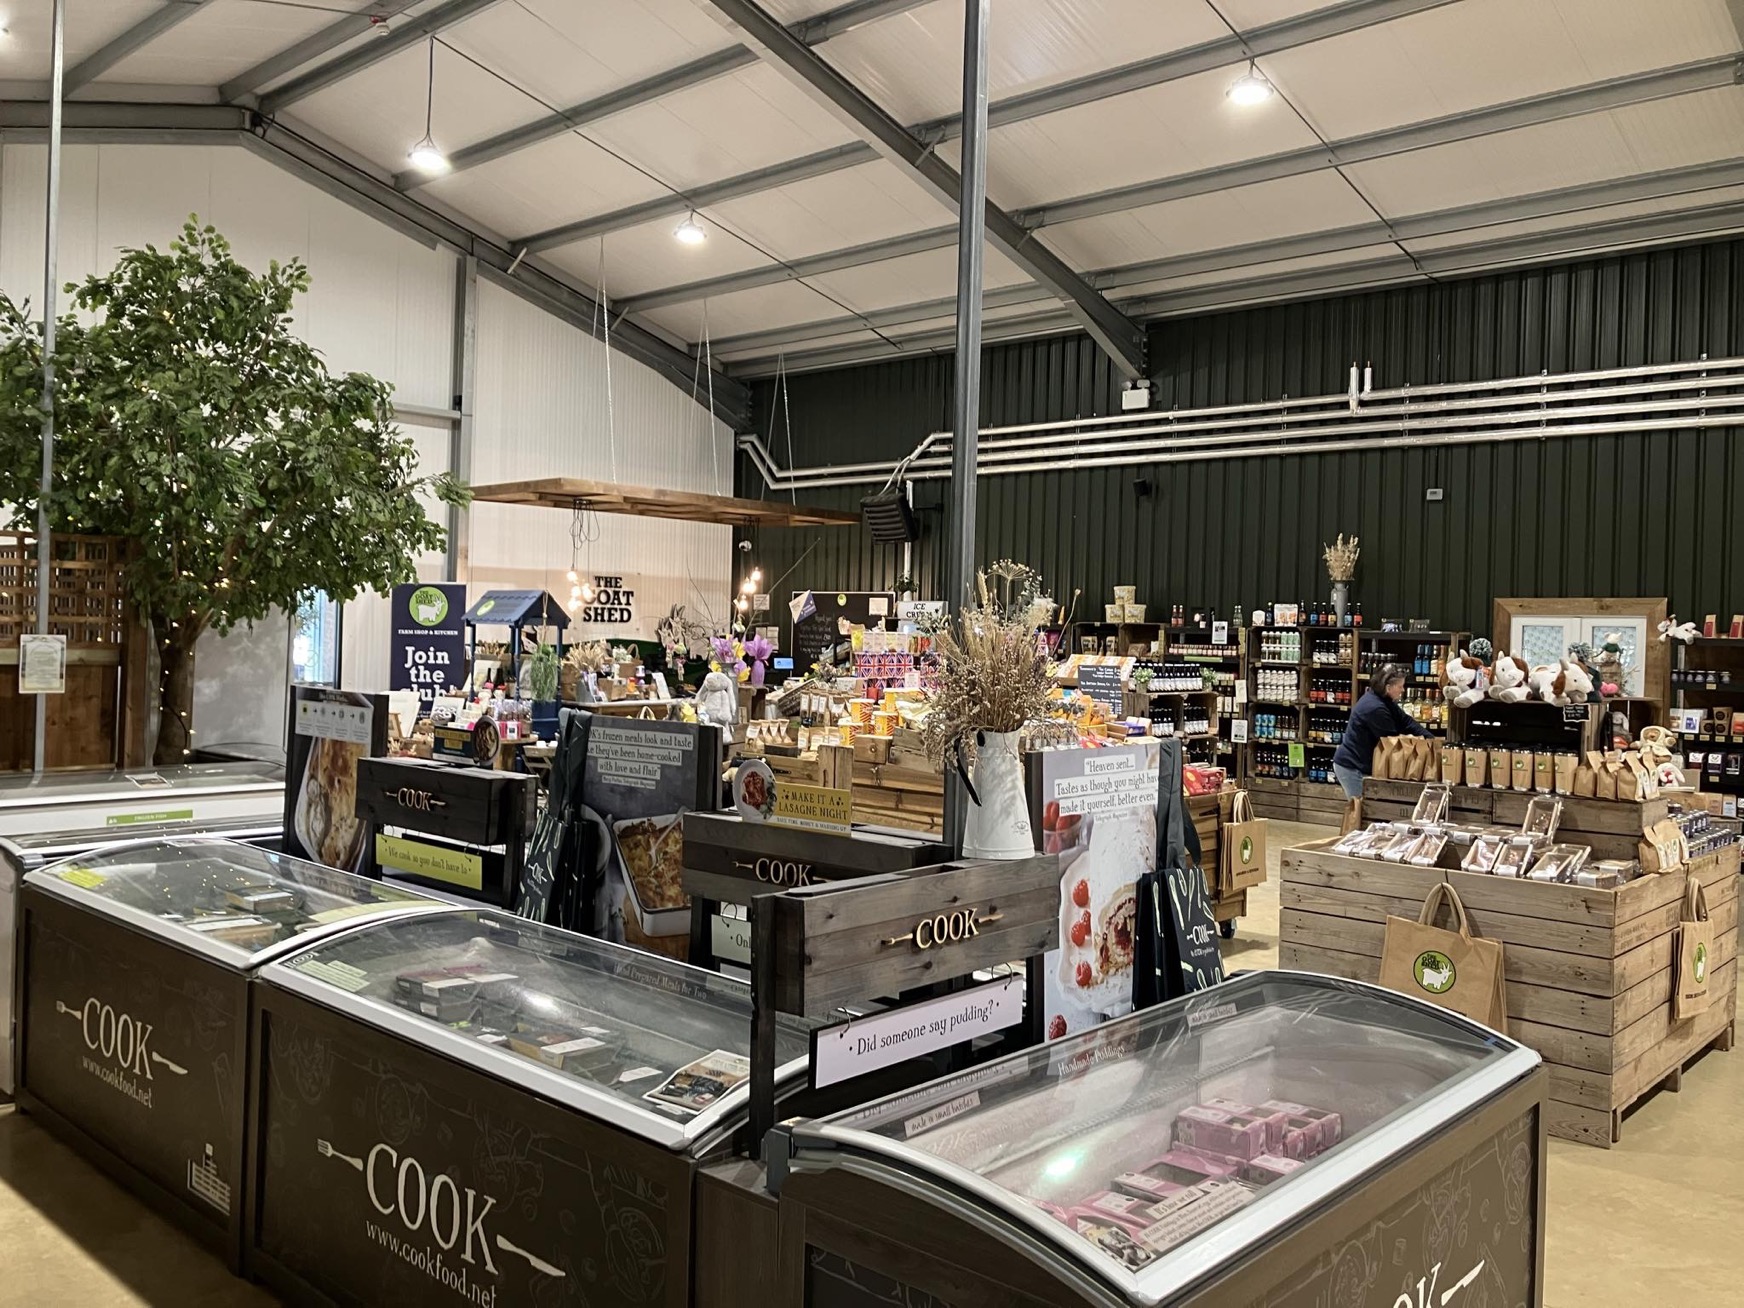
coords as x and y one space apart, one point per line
1160 1147
85 787
654 1046
236 903
189 794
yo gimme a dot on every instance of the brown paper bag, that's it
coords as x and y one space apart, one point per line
1477 767
1605 780
1695 955
1243 845
1501 769
1352 817
1564 766
1414 760
1450 968
1452 765
1543 772
1522 769
1586 782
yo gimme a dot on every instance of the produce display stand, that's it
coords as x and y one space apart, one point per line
1589 972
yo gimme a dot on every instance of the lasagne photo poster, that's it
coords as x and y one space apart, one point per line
1096 809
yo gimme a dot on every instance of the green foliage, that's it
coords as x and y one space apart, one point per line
191 420
539 674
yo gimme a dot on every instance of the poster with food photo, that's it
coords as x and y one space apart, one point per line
1096 809
330 730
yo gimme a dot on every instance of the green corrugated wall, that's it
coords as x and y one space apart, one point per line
1646 514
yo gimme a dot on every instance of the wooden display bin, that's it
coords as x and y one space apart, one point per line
896 795
1589 971
1611 828
1274 797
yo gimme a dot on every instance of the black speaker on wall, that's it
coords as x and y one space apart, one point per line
889 518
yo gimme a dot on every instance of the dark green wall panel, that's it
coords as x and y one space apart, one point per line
1643 513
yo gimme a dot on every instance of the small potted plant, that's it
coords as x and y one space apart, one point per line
539 679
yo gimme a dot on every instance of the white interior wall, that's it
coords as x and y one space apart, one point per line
383 303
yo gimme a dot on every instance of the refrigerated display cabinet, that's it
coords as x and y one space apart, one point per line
474 1103
47 818
134 966
1282 1140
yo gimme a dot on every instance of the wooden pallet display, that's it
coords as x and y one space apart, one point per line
1589 971
1611 828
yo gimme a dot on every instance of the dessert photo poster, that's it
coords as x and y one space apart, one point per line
1096 809
329 731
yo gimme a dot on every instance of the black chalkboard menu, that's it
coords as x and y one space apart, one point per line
1103 683
822 629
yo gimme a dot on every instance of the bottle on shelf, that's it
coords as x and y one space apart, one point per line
1357 617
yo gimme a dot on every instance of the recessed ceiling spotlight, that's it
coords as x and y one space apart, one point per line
1251 88
690 231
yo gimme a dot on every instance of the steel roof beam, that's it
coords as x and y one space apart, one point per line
134 39
1120 338
814 31
1467 258
402 36
310 48
1352 16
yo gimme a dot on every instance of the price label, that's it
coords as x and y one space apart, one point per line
1220 633
1298 756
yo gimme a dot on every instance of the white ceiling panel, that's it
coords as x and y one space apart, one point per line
544 186
1618 37
566 51
1178 127
1651 137
647 257
914 279
912 63
851 207
744 312
1249 14
28 50
1238 216
380 113
219 41
733 124
1587 219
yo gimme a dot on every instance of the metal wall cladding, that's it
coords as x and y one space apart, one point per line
1633 514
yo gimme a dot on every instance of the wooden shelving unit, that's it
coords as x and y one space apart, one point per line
1709 675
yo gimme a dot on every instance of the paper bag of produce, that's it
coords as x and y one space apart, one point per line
1414 760
1477 767
1605 783
1501 769
1695 955
1450 968
1452 765
1522 769
1386 758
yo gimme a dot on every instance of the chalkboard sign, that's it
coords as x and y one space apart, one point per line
1102 682
822 630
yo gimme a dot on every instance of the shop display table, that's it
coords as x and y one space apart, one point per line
1589 972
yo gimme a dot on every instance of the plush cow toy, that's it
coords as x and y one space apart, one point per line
1560 684
1468 680
1508 679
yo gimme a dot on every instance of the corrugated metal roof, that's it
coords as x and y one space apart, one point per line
662 102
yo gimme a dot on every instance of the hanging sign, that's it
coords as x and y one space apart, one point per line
427 653
613 603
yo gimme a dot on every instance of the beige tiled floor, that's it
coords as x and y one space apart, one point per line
1660 1219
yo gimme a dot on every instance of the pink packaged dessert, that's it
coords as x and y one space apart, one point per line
1115 1206
1145 1186
1268 1168
1310 1130
1082 1219
1235 1135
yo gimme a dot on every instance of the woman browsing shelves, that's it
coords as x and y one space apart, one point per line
1374 717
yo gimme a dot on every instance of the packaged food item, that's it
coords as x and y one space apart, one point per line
1145 1185
1477 767
1501 768
245 931
1267 1168
261 901
1522 769
1559 863
1432 804
1543 816
1516 857
1565 766
1178 1167
1118 1241
1123 1208
1427 852
562 1050
1622 869
1319 1128
1186 1214
1402 848
1485 852
1234 1135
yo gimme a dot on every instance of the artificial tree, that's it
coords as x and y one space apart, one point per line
191 421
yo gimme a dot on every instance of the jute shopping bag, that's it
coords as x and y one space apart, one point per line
1450 968
1695 955
1244 845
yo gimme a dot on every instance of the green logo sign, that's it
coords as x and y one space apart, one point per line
1246 850
1699 964
1434 971
429 606
487 606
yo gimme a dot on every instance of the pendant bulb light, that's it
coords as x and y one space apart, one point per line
1251 88
425 156
690 231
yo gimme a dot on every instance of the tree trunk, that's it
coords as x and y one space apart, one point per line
175 643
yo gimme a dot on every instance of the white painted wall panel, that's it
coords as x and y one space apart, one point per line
541 412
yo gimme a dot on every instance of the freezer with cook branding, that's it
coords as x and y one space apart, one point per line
134 965
470 1107
47 818
1283 1140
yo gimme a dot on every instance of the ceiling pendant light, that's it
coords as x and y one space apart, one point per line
424 156
1250 88
690 231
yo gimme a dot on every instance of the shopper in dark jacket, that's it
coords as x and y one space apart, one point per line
1375 716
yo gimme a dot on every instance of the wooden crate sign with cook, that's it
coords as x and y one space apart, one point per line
730 860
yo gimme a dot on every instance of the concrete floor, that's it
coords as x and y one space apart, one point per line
1657 1219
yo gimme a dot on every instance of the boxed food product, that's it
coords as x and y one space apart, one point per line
245 931
563 1050
1178 1167
1115 1239
1516 857
1428 849
1318 1128
1267 1168
1144 1185
1402 848
1124 1208
1543 816
1432 804
1234 1135
1559 863
261 900
1485 852
1623 869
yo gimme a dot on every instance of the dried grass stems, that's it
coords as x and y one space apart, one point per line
992 676
1341 557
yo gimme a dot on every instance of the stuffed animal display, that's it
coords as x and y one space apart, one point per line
1467 680
1508 679
1672 629
1560 683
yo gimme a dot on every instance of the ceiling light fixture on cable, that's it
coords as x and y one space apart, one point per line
1251 87
690 231
424 156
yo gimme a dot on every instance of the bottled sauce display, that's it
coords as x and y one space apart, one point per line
1203 649
1174 678
1281 646
1277 685
1269 725
1333 651
1273 761
1326 689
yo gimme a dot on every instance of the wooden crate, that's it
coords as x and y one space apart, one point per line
1318 802
1393 801
1273 797
1589 971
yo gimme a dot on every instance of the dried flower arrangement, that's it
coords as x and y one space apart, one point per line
1341 559
587 656
991 677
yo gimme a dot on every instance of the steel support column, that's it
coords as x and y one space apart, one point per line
460 437
51 239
